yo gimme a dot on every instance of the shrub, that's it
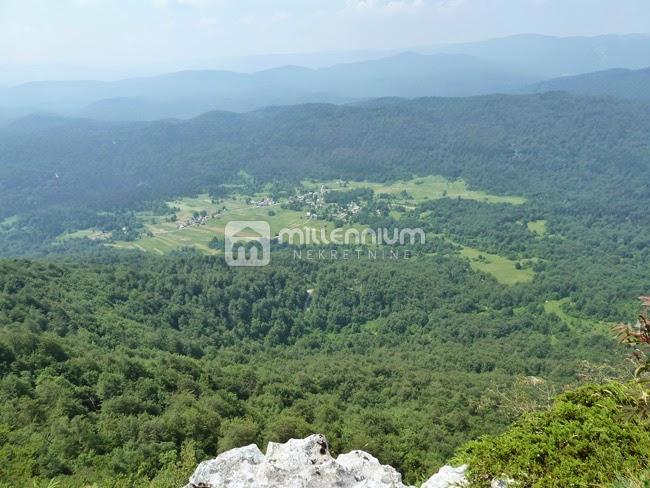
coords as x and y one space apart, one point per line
586 439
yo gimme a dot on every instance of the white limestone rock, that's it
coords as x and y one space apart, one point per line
234 468
307 463
372 472
448 477
299 463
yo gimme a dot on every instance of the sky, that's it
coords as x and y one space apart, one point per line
123 33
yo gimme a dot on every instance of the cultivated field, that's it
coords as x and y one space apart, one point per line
164 235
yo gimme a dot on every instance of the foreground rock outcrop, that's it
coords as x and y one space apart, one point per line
307 463
448 477
299 463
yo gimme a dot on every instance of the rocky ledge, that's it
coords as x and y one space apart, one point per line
307 463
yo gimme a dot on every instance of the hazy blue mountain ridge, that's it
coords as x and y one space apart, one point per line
189 93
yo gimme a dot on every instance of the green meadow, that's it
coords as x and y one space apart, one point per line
556 307
537 227
504 270
8 222
420 190
163 236
80 234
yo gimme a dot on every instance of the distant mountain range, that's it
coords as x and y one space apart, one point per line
16 74
552 57
525 63
188 93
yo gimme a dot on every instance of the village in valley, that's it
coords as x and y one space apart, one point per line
198 222
316 205
313 205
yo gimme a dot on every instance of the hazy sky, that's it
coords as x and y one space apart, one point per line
107 33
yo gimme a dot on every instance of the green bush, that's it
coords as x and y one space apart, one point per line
587 438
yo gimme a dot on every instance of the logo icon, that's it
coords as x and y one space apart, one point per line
248 243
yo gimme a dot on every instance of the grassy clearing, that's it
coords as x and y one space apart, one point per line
80 234
555 307
8 222
421 189
503 269
537 227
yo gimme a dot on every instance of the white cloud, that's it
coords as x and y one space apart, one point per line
264 20
280 16
182 3
208 21
449 6
391 7
193 3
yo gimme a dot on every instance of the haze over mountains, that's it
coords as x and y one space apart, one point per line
188 93
17 74
551 57
516 64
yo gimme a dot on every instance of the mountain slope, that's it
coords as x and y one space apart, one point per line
533 143
588 155
621 83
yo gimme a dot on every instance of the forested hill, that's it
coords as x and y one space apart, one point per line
622 83
535 144
118 369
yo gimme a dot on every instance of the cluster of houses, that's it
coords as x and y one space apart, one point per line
349 210
315 202
312 198
195 220
265 202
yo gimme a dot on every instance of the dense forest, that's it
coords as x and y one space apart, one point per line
125 369
111 366
571 153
